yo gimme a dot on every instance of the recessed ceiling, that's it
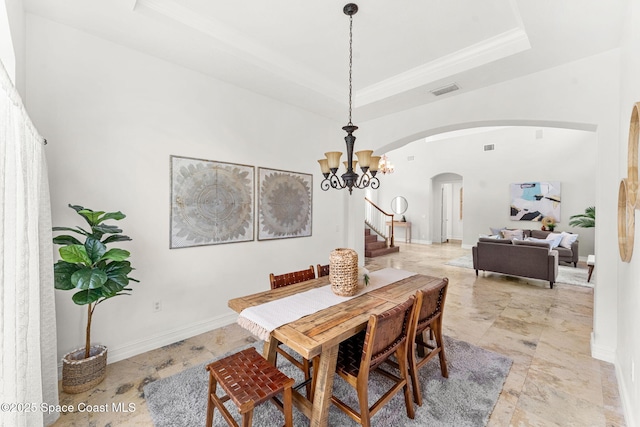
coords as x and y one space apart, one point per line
297 51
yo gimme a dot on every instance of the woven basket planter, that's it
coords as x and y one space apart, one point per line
343 271
80 374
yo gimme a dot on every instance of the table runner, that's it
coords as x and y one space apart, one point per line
261 319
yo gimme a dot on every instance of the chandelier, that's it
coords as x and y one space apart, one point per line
368 163
385 166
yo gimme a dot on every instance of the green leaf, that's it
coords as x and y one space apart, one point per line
66 240
88 278
87 296
92 217
106 229
121 279
113 215
116 254
111 288
116 238
76 208
116 295
75 230
95 249
62 272
75 254
118 267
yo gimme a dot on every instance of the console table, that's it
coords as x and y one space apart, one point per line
402 224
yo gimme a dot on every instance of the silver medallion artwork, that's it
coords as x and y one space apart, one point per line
211 202
284 200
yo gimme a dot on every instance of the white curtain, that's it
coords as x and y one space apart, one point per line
28 355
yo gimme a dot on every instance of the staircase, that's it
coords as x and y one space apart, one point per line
374 247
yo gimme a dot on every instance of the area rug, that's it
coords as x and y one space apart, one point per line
466 398
568 275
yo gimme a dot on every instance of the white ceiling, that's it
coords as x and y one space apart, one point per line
297 51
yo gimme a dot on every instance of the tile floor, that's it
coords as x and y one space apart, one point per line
553 380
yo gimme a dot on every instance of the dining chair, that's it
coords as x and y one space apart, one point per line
323 270
386 335
427 318
286 279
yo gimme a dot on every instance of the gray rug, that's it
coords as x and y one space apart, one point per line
466 398
568 275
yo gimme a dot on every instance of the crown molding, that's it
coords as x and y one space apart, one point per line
500 46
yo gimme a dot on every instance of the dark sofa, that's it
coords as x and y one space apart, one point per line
564 254
517 258
569 255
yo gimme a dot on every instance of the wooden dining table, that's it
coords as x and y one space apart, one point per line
319 334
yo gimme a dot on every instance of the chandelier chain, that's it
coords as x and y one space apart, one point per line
350 63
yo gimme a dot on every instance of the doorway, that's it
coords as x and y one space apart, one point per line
448 205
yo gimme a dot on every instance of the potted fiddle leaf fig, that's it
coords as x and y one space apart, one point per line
95 273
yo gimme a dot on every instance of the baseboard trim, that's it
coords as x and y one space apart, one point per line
605 354
420 242
627 403
169 337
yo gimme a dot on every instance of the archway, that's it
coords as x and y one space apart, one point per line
481 124
489 160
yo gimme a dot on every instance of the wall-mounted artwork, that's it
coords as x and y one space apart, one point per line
284 204
532 201
211 202
628 197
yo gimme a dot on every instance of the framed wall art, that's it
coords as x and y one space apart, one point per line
211 202
284 204
532 201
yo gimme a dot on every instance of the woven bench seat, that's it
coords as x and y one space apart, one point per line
249 380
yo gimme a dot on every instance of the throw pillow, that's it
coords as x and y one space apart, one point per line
568 239
534 240
495 231
555 238
513 234
487 236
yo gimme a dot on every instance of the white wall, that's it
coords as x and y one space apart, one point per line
113 116
584 94
568 156
12 42
7 54
628 301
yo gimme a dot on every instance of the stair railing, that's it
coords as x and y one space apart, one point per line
378 221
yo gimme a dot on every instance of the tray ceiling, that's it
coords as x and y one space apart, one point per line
297 51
